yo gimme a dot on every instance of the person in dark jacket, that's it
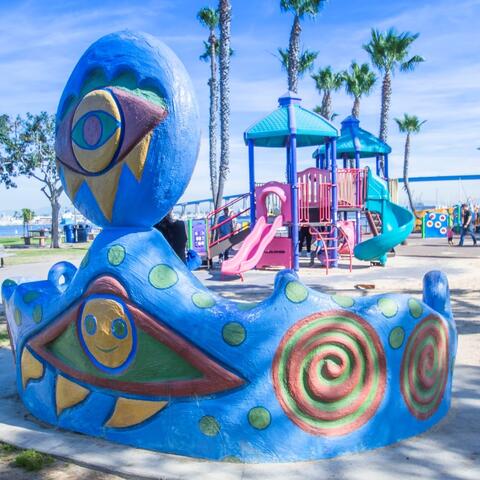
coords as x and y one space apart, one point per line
467 225
175 234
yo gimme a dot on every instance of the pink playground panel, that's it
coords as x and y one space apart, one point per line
315 191
351 184
277 254
283 194
347 240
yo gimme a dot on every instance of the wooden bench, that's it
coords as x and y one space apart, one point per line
3 255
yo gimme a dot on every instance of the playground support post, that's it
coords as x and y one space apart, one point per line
322 161
294 184
385 167
251 173
359 199
327 156
377 165
334 208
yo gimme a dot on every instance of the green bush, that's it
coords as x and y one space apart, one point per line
5 447
32 460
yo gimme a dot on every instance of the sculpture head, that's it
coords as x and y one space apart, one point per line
127 131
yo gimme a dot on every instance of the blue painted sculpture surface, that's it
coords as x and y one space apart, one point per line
133 348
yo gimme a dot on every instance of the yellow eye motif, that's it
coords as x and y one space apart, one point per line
107 334
96 131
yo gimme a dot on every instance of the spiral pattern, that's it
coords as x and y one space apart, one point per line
329 373
424 368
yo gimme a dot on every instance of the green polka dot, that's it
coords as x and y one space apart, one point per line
31 296
116 255
296 292
85 260
234 333
415 308
246 306
396 337
37 314
343 300
9 283
259 418
209 426
18 317
163 276
387 306
231 459
203 300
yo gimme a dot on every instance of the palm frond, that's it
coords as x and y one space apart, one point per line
409 123
209 17
327 79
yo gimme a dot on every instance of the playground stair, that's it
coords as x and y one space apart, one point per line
326 245
219 247
218 244
374 222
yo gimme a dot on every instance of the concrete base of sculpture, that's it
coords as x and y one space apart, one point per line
132 348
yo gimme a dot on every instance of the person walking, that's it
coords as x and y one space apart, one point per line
467 225
305 237
225 229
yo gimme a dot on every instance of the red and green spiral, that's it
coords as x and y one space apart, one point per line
329 373
424 370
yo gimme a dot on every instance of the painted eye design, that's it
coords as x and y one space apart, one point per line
107 341
119 328
90 324
96 131
104 128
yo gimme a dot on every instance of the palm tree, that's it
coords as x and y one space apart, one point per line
389 51
359 81
225 18
409 124
209 18
300 10
305 61
326 82
26 215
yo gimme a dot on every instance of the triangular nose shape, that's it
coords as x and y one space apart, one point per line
139 117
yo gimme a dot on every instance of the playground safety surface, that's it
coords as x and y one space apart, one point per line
451 450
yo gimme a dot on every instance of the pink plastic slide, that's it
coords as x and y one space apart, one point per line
252 247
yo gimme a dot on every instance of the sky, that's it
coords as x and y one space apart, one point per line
42 40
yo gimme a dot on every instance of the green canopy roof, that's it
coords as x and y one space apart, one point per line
273 130
352 135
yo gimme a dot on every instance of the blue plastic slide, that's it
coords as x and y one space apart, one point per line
397 223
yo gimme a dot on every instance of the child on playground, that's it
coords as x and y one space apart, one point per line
450 235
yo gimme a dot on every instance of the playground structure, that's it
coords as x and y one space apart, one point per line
323 198
131 347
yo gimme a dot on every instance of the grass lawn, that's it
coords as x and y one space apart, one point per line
36 254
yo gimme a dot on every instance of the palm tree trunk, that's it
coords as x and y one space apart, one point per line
356 107
385 112
324 106
213 83
225 21
293 55
328 105
405 172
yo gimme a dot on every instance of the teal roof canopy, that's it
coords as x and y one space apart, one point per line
352 136
273 130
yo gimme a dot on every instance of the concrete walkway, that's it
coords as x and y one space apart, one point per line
449 451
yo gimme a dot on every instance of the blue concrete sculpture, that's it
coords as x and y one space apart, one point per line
131 347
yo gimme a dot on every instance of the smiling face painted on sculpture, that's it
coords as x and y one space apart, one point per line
107 334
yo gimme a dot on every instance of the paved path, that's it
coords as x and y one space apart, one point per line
451 450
